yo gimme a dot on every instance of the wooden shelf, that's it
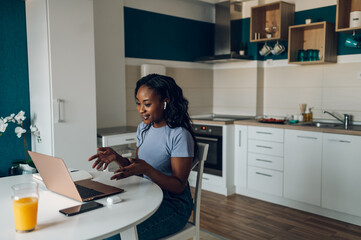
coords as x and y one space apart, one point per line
319 35
279 14
343 10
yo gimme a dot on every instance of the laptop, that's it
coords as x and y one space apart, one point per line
57 179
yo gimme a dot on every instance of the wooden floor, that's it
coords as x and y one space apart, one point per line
239 217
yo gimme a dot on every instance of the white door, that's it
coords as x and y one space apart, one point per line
240 156
302 166
341 173
69 61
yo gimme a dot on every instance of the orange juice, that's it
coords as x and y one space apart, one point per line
25 213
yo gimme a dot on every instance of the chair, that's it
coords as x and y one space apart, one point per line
192 228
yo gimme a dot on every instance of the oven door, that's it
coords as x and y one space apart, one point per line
213 163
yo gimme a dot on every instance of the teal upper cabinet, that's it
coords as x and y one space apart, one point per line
270 22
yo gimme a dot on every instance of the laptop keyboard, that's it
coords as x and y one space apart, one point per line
87 192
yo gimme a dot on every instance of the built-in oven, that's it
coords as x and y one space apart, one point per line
211 135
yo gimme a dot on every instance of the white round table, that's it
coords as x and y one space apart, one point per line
141 198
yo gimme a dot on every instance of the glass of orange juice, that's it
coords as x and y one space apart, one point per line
25 205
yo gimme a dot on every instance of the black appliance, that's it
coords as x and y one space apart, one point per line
211 135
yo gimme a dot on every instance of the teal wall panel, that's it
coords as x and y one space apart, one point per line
240 30
158 36
328 14
14 80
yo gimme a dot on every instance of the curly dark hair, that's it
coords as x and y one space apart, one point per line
176 113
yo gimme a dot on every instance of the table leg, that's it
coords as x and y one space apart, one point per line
129 234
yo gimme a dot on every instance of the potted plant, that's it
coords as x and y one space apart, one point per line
26 165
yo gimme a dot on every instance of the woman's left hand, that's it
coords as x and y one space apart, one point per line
136 167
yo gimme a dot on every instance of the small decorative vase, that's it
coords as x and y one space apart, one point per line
26 169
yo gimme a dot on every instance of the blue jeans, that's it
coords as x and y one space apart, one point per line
171 216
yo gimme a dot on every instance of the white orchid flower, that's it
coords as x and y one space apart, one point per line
19 131
34 130
20 117
10 118
3 125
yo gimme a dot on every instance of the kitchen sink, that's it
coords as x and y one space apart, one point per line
326 125
323 124
330 125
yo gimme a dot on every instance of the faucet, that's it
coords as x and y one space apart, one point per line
346 120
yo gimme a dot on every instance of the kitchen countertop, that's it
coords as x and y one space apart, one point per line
298 127
215 122
218 119
115 130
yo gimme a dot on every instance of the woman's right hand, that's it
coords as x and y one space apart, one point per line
105 156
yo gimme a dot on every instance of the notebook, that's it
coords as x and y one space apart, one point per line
57 179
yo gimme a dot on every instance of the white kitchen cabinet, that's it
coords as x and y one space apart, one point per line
266 134
302 166
265 180
265 160
60 37
265 147
240 156
341 173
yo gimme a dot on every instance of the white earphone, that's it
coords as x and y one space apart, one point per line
165 105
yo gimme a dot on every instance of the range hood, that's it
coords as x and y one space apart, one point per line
225 13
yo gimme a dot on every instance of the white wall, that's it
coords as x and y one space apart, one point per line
332 87
110 63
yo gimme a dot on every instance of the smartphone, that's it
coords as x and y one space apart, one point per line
81 208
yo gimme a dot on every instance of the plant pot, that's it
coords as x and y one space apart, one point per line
26 169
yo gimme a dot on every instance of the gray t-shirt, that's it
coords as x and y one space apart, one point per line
158 145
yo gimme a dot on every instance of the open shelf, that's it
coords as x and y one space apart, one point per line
344 8
278 14
319 35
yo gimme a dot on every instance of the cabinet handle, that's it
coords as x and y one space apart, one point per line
306 137
260 146
264 174
205 178
130 139
338 140
60 102
263 160
240 137
268 133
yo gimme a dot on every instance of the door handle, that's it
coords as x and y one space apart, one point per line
261 146
264 174
268 133
60 105
263 160
130 139
306 137
339 140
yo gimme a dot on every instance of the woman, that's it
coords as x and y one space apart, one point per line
165 150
